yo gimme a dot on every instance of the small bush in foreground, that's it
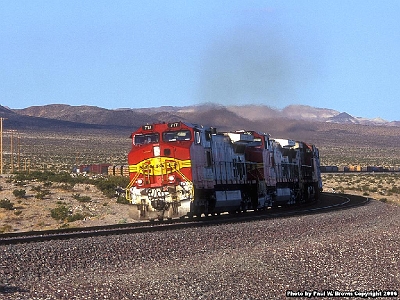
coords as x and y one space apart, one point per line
122 200
7 204
75 217
19 193
5 228
81 198
61 212
40 195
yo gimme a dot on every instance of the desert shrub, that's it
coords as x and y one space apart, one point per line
395 190
7 204
373 189
365 187
19 193
39 189
20 183
81 198
384 200
48 176
108 185
75 217
66 187
122 200
42 194
47 184
17 212
61 212
5 228
36 188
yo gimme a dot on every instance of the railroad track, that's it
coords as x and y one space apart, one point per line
328 202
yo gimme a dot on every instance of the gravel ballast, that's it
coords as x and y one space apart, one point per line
345 251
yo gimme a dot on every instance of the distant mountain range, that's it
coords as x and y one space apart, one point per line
127 117
337 134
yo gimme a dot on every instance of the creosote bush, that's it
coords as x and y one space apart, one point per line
7 204
75 217
122 200
5 228
61 212
81 198
107 185
19 193
42 194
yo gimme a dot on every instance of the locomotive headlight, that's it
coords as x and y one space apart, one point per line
139 181
171 178
156 151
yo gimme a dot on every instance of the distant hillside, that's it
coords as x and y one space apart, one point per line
19 121
343 118
296 122
203 114
338 135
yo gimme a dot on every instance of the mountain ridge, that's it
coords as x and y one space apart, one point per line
95 115
86 129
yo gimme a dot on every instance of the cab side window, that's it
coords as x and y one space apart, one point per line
197 137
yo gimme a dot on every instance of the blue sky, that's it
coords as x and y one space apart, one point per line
338 54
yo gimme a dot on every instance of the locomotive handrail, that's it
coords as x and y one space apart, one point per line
127 192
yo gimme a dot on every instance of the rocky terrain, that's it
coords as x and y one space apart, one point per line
384 187
346 251
30 213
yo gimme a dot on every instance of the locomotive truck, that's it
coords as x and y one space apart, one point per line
179 169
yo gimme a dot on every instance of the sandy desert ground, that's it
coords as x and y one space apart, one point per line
29 213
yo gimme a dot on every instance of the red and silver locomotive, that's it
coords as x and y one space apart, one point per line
179 169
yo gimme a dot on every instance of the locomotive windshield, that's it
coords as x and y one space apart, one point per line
173 136
149 138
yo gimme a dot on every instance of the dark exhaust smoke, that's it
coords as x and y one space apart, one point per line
249 66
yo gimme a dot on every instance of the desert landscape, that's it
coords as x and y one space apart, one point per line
344 250
85 205
40 148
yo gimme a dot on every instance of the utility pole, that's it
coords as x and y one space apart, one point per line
12 149
12 152
19 152
1 145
